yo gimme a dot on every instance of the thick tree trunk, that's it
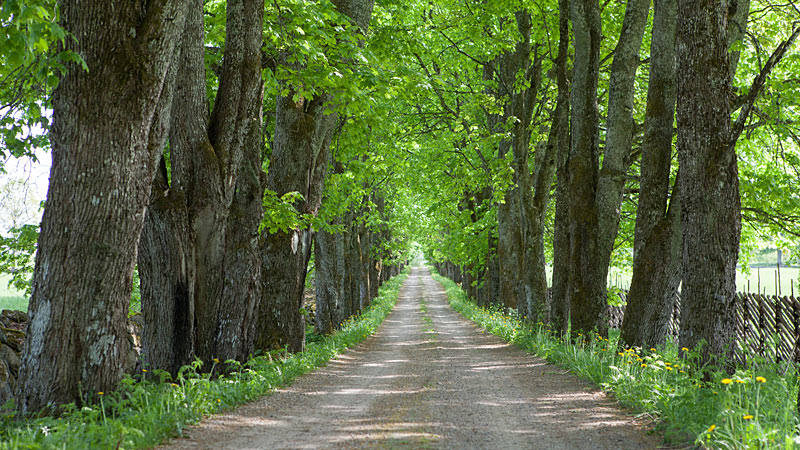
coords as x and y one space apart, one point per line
595 209
103 166
241 292
330 280
587 308
167 280
657 238
709 179
516 237
559 302
303 131
617 154
205 155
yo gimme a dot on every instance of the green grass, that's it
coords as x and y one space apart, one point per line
151 408
745 282
10 298
753 408
17 303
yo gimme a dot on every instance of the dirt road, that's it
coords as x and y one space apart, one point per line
428 379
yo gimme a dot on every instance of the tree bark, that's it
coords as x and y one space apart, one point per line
657 236
107 121
516 217
710 214
241 292
330 280
559 302
186 282
586 307
303 130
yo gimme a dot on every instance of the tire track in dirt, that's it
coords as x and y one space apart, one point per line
427 379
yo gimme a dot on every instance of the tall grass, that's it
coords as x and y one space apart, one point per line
753 408
152 407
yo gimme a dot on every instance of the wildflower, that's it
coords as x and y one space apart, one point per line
216 360
219 401
726 381
173 385
761 379
639 359
652 349
644 365
740 381
621 354
668 368
711 428
144 370
686 350
100 393
747 417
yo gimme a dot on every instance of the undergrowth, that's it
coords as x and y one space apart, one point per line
753 408
146 410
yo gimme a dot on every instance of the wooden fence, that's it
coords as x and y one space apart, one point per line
766 325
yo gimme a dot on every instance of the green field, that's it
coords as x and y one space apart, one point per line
10 298
764 277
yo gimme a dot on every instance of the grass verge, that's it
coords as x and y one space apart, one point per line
144 412
753 408
15 303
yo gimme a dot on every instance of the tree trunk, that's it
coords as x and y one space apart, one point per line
594 226
559 302
516 239
107 128
167 279
709 180
241 292
586 307
205 154
617 154
303 131
330 279
657 236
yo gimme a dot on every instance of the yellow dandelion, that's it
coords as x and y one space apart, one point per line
652 349
630 362
667 364
639 359
621 354
711 428
173 385
681 371
644 365
747 417
144 370
726 381
740 381
761 379
686 350
668 368
216 360
100 393
219 401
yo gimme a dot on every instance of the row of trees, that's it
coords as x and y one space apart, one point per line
531 97
192 141
208 145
